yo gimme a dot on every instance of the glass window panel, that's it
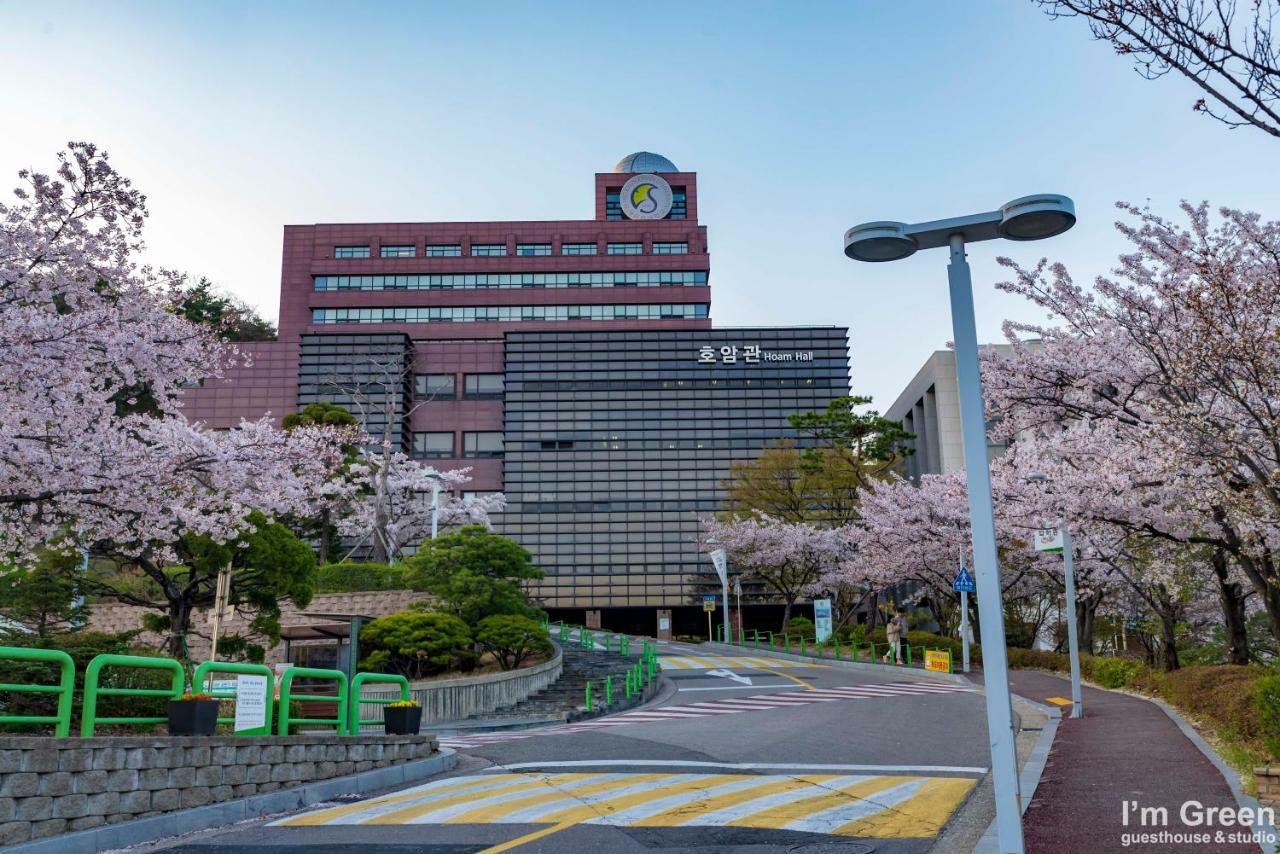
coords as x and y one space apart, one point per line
433 386
398 251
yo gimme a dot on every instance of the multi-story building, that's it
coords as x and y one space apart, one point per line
569 363
929 409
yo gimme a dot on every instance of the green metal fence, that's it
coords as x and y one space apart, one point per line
65 689
92 673
354 721
206 670
286 718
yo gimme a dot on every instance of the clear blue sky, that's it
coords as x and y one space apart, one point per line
800 118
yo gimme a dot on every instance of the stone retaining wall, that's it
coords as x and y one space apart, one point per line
455 699
1268 779
50 786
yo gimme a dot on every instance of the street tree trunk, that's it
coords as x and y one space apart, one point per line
1169 640
1232 597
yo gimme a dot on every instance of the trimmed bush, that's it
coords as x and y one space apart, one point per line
416 644
1114 672
512 639
359 577
800 627
1266 702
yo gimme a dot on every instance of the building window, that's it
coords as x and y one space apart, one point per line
507 313
451 281
351 252
427 386
432 446
398 251
533 249
670 248
626 248
577 249
481 445
444 250
488 250
482 386
679 204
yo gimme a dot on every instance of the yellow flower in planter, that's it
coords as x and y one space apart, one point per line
404 704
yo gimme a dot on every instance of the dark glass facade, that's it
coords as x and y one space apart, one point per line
617 442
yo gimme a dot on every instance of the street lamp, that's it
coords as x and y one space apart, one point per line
1028 218
1073 643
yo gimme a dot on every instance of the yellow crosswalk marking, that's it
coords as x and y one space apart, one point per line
784 814
897 806
327 815
689 812
496 812
922 815
716 662
600 809
519 783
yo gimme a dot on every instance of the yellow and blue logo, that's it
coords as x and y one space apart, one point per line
645 196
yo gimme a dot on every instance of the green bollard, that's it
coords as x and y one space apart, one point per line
871 652
837 649
787 640
589 708
608 691
908 646
820 649
756 637
802 649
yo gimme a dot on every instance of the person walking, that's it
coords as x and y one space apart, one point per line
894 632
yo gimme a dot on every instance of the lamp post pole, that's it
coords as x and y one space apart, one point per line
1028 218
435 506
986 566
1073 634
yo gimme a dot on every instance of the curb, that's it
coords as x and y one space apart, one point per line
253 807
1029 776
863 666
1266 832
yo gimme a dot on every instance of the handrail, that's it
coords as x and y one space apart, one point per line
89 718
286 694
354 721
210 667
65 689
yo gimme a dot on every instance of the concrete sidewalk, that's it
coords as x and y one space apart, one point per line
1125 750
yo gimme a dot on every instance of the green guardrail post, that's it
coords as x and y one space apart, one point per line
286 695
89 709
208 668
908 646
65 689
608 690
755 637
354 721
871 652
837 646
589 706
802 649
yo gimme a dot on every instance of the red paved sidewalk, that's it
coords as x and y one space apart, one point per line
1124 749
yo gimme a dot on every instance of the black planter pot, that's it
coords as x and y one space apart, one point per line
403 721
193 717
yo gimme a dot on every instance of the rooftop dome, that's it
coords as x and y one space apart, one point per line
645 161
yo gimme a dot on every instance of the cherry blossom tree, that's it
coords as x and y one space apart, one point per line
789 558
94 353
1166 376
387 503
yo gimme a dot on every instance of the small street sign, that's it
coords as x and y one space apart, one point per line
964 582
737 587
709 604
1048 540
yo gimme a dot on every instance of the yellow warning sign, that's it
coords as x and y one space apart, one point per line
937 659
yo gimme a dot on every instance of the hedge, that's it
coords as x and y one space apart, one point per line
359 577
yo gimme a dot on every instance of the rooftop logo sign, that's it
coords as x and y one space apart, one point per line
645 196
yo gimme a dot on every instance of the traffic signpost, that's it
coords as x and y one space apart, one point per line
964 585
709 605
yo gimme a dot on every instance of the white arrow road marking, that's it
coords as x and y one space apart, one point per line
729 674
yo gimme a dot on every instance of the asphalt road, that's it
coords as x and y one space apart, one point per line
804 758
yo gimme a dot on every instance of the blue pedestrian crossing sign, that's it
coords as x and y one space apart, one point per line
709 604
964 582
